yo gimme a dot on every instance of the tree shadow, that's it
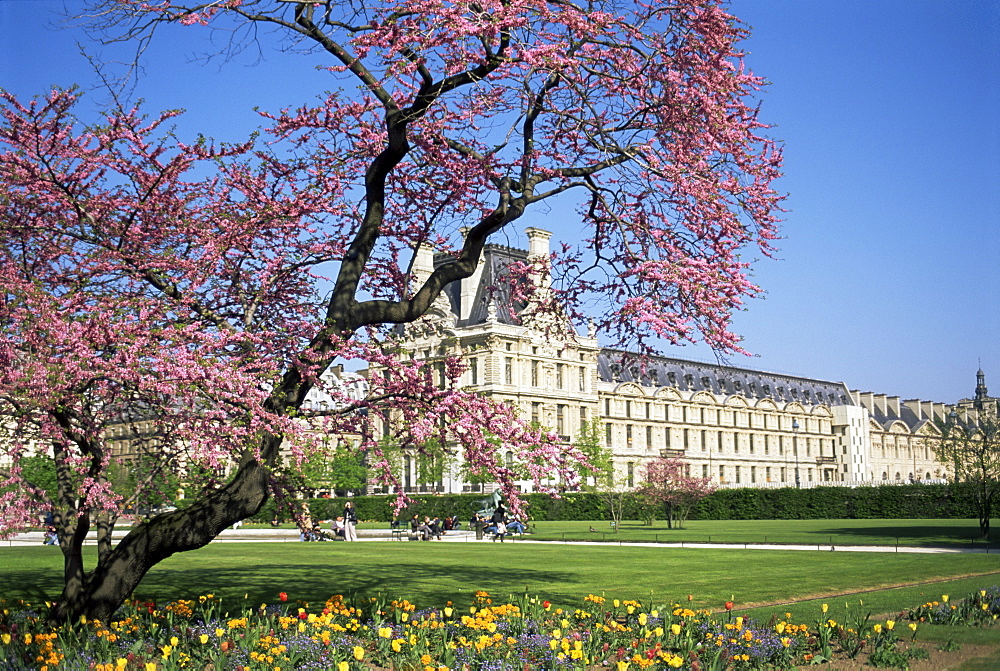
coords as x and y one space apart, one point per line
936 534
431 585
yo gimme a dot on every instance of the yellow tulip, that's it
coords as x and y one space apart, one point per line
203 638
5 638
359 653
912 626
890 624
343 666
826 607
643 618
675 629
385 632
944 597
150 666
877 628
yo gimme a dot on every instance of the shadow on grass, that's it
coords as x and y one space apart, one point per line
934 534
426 585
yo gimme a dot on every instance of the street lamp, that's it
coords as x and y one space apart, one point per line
795 448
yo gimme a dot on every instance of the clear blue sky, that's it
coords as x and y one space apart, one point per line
889 274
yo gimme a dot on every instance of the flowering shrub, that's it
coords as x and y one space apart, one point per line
981 607
520 633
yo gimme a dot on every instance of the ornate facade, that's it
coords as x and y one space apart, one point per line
736 426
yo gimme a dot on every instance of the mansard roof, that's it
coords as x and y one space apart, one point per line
496 259
886 417
618 366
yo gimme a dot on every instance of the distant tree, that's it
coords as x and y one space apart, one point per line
334 467
971 445
598 473
210 286
666 485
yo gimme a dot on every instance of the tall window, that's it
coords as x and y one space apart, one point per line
722 473
628 435
583 415
561 419
631 474
559 375
649 437
536 408
534 373
704 470
607 435
474 369
583 379
508 370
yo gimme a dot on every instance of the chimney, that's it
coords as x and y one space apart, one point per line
914 405
538 242
423 265
470 285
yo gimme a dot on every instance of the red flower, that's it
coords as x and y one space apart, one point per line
546 605
303 615
729 605
283 596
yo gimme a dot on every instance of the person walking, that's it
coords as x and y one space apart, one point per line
499 520
350 522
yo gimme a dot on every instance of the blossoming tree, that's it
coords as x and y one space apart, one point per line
194 294
667 483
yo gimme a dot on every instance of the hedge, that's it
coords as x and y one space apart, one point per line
907 501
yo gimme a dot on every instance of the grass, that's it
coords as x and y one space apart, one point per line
430 574
922 532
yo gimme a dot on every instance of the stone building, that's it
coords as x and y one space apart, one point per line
735 426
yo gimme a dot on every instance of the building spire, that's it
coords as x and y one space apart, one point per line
982 394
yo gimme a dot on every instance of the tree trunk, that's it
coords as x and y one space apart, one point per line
99 593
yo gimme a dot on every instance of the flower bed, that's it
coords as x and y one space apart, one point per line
521 633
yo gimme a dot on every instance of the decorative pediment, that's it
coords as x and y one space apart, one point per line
434 324
766 404
668 394
704 397
630 388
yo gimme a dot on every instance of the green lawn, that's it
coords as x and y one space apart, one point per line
430 574
923 532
